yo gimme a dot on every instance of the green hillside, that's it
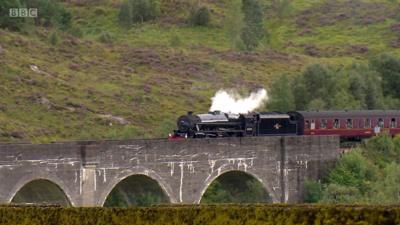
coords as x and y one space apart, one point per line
99 80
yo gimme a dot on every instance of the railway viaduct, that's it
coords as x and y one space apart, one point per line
87 171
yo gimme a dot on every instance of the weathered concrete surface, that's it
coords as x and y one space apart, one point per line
88 171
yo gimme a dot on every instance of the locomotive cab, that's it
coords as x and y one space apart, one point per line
250 124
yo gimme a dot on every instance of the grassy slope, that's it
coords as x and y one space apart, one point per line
155 71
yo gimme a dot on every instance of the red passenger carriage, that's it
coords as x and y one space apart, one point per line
352 124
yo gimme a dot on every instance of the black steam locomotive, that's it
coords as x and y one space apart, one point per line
218 124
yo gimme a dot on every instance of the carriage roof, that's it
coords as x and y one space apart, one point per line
350 113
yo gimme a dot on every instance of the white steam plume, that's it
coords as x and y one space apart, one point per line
232 102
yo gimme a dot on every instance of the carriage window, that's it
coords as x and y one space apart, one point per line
324 124
367 123
312 124
349 123
393 123
336 124
381 123
307 124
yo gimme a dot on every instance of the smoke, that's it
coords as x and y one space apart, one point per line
232 102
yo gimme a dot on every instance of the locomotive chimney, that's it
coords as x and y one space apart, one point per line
190 113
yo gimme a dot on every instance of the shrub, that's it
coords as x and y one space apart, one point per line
199 16
76 32
99 12
138 11
106 38
175 41
145 10
54 39
64 18
335 193
203 214
249 38
313 191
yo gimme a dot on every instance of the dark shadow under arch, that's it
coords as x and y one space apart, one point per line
138 190
236 187
41 191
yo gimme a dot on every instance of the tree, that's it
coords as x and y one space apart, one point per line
301 94
387 189
317 104
12 23
374 96
342 99
234 23
353 170
253 29
317 84
358 85
282 98
365 86
369 174
319 81
125 17
382 150
388 67
50 13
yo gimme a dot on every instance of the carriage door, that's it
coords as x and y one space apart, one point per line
312 126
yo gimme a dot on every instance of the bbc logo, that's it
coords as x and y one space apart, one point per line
23 12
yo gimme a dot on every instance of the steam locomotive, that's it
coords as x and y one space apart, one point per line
348 124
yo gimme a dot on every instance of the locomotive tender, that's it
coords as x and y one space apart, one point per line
348 124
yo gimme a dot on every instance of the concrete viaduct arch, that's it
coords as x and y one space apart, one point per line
220 173
87 171
140 171
60 188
